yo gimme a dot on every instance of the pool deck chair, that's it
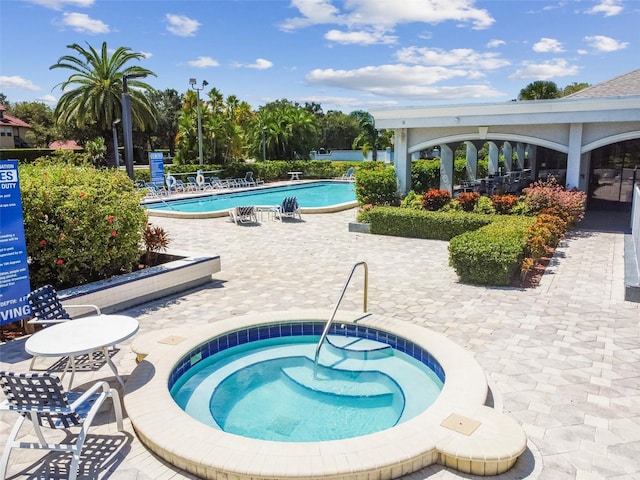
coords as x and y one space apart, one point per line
47 309
41 398
289 208
350 175
246 214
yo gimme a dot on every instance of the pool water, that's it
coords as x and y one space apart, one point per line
309 195
271 390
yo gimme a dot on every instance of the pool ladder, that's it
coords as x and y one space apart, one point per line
344 289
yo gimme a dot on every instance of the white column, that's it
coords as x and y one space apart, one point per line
520 156
494 157
507 152
532 155
573 156
402 160
446 168
472 161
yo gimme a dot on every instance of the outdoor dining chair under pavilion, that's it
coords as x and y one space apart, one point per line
41 398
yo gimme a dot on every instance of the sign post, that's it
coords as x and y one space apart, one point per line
14 270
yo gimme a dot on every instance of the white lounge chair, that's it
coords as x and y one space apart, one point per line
350 175
244 214
289 208
41 398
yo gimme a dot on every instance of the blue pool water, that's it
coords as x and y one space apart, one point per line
269 389
309 195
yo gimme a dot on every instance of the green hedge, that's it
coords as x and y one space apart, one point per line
490 255
407 222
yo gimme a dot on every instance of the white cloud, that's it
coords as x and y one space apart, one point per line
203 62
182 25
458 57
259 64
146 54
415 82
387 14
545 71
360 37
546 45
60 4
600 43
496 43
17 82
48 99
81 22
608 7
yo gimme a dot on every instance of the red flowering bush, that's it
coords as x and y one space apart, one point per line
503 204
81 224
550 197
435 199
468 200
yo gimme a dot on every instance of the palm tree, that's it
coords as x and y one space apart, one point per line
539 90
96 94
367 139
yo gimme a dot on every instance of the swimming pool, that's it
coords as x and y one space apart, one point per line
458 430
271 389
313 197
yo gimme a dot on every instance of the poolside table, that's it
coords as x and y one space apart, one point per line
82 336
295 175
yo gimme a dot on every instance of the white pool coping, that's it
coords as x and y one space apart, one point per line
173 435
223 213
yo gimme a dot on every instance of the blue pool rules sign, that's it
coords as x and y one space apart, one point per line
14 271
156 162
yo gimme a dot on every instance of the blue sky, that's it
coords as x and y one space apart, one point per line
345 55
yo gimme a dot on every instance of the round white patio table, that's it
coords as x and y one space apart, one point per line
82 336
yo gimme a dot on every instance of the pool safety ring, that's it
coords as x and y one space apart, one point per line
200 179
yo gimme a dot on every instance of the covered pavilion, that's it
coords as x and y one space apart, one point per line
589 140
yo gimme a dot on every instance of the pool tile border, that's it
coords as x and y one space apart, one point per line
212 454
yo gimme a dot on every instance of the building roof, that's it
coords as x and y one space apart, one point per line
9 121
65 145
622 85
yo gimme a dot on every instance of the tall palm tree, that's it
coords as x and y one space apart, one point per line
95 97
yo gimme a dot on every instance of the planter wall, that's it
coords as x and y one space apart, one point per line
186 271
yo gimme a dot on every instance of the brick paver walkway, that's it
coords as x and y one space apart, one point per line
563 359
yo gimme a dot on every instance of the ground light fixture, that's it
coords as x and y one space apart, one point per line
193 82
126 122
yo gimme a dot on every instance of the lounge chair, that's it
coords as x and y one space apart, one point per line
193 184
244 214
350 175
155 190
41 398
289 208
248 178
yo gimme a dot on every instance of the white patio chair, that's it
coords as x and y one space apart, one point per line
47 309
289 208
41 398
246 214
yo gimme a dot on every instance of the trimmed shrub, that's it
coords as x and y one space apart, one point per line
434 200
406 222
81 224
377 186
503 204
412 200
468 200
490 255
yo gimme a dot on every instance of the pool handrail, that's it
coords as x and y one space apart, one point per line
335 309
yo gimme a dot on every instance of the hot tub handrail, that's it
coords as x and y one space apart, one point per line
344 289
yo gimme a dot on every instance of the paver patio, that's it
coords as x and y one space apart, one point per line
563 359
